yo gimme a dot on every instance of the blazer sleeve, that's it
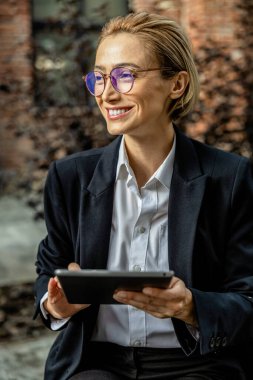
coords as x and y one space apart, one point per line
226 317
56 250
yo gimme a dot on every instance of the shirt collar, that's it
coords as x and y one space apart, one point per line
163 174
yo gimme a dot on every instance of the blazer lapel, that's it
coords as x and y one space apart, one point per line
187 190
96 210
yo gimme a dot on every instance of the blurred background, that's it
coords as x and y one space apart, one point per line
46 113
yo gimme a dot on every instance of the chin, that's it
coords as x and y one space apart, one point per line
115 129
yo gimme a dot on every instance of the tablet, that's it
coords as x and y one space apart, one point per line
97 286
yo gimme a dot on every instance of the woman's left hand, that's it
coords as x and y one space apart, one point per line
174 301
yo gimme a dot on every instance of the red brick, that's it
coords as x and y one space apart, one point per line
221 26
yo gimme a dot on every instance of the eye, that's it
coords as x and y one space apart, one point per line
125 75
98 77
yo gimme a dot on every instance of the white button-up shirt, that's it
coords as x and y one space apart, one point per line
138 242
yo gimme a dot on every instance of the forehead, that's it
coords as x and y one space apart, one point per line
123 48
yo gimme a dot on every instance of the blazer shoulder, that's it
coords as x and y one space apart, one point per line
86 159
80 168
66 172
83 156
218 162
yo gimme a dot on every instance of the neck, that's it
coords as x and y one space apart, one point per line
147 154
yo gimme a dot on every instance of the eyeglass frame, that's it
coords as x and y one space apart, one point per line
132 71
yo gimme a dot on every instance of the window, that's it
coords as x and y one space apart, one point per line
65 34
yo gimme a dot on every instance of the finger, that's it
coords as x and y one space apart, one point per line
175 291
148 307
175 280
143 299
52 290
146 303
74 267
55 292
159 294
58 282
52 285
133 298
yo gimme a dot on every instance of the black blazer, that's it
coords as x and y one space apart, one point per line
210 224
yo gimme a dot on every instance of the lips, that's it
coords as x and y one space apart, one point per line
116 113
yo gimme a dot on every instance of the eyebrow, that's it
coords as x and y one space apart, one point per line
121 64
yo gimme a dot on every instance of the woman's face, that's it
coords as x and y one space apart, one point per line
143 110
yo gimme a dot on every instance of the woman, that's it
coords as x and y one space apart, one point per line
151 200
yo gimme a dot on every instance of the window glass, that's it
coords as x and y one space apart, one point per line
46 9
65 35
99 11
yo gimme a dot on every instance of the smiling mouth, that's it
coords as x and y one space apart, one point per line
117 112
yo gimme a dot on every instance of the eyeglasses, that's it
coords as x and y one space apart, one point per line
122 79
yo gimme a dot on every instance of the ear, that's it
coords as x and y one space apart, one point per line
179 84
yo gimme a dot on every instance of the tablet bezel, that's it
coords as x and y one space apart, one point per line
89 286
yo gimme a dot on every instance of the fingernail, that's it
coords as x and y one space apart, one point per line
121 294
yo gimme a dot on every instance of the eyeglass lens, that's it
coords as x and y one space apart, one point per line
121 78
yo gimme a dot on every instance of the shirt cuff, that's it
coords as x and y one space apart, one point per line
55 324
42 309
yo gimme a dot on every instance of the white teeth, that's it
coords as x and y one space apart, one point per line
116 112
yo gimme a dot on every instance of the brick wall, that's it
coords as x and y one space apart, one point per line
216 18
16 44
222 37
31 137
16 75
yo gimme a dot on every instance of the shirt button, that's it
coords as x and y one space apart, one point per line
137 343
142 230
137 268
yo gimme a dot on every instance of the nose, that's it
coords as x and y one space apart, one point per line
109 93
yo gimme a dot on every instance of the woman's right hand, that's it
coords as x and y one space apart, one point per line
56 304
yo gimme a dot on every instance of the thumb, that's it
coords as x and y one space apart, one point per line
52 289
74 267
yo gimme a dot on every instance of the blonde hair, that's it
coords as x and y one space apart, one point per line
166 39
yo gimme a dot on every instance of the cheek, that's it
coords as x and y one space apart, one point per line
99 104
153 95
98 101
